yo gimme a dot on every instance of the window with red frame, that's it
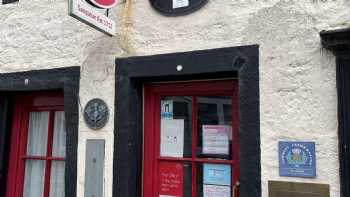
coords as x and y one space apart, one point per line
191 139
38 146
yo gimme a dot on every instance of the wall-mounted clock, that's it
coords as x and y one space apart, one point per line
177 7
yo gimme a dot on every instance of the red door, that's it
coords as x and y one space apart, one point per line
190 139
37 151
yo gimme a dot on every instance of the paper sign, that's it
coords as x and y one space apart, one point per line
167 109
172 138
217 174
170 179
297 159
216 139
216 191
180 3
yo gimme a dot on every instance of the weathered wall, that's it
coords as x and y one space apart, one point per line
297 77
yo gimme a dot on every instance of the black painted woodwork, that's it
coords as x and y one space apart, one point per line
165 7
133 72
5 126
8 1
338 41
65 79
343 87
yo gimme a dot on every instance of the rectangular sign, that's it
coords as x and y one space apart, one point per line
217 174
216 191
216 139
172 138
170 179
92 16
180 3
167 109
297 159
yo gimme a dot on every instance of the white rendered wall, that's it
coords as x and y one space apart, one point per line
297 77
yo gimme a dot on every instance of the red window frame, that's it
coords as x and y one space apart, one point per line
23 105
152 96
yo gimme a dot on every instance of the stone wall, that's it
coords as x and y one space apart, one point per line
297 76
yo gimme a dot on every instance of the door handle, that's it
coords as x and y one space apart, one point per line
235 188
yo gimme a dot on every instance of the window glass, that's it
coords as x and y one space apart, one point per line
175 179
176 126
59 135
213 180
37 133
34 178
214 127
57 179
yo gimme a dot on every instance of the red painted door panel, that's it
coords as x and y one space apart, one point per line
191 139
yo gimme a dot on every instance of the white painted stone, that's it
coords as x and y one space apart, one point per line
297 76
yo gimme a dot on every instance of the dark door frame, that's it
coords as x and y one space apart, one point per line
133 72
64 79
338 41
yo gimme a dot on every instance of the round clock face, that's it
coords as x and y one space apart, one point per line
96 114
177 7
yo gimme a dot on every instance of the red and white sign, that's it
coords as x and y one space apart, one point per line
216 139
104 3
92 16
170 179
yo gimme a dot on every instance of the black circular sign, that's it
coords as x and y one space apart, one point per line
177 7
96 114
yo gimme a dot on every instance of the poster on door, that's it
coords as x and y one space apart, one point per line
172 138
216 191
217 174
216 139
170 179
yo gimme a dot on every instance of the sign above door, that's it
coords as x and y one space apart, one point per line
94 13
177 7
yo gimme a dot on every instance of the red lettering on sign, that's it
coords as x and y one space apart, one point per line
170 179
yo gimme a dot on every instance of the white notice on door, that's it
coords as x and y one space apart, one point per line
216 191
180 3
172 138
216 139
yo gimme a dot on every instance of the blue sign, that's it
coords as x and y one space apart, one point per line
167 109
297 159
217 174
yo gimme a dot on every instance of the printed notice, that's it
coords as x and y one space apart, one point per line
172 138
216 139
170 179
167 109
217 174
180 3
216 191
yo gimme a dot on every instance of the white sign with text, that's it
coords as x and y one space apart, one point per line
92 16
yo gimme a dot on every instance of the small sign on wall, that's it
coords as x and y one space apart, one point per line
297 159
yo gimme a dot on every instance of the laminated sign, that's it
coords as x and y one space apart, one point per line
172 138
216 139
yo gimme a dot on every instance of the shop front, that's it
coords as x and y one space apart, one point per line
200 131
